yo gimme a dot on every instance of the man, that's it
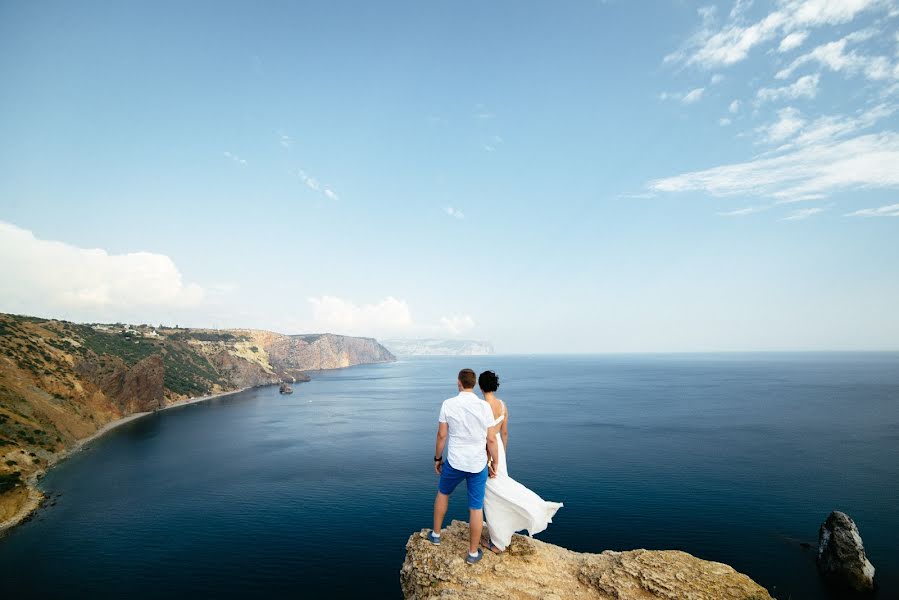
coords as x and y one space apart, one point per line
466 422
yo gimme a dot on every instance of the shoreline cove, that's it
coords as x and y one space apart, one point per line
36 497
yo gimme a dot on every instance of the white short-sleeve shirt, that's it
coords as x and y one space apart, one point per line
468 418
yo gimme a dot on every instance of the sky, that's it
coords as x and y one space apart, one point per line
582 176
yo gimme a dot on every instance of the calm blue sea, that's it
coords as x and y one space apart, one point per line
736 458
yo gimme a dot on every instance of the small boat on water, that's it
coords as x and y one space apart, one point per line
285 389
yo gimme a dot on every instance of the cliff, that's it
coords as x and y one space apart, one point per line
434 347
534 570
61 382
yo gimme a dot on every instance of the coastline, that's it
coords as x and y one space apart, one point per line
36 496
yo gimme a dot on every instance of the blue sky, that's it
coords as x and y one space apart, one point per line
583 176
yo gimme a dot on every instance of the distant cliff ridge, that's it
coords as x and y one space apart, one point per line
437 347
61 382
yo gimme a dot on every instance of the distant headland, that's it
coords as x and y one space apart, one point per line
64 383
438 347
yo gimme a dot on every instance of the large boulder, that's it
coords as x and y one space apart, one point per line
534 570
841 554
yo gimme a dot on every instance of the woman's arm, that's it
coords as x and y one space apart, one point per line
504 428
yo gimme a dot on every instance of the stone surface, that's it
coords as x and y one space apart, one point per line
841 554
534 570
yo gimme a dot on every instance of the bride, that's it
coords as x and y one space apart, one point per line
508 505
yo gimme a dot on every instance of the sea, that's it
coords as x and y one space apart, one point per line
736 458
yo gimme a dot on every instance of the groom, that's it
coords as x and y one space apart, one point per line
466 421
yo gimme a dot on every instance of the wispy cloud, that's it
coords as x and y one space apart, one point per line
803 213
744 212
313 184
234 157
724 121
792 41
804 87
284 140
789 121
482 114
492 143
715 46
804 173
693 96
835 57
891 210
454 212
734 107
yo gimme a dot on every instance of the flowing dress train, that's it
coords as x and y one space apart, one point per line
511 507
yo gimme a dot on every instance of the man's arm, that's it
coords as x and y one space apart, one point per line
492 450
442 430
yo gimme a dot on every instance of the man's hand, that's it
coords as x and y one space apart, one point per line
491 470
438 466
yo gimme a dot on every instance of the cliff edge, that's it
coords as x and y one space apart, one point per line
534 570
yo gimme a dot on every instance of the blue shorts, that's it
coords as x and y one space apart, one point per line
475 482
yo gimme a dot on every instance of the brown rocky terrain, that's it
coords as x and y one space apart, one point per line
534 570
62 382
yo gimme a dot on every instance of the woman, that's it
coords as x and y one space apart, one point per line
508 505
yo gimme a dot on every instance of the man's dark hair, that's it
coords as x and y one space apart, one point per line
488 381
467 378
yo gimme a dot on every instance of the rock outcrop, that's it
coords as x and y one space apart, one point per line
534 570
841 554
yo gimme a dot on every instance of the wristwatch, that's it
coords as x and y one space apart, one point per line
438 458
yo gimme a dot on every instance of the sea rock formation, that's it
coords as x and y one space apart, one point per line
534 570
437 347
841 554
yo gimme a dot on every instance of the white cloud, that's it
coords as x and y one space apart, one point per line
731 43
389 317
313 184
457 324
734 107
789 121
716 79
310 182
835 57
803 213
724 121
336 315
792 40
802 173
454 212
804 87
891 210
284 140
744 212
492 143
54 278
234 157
693 96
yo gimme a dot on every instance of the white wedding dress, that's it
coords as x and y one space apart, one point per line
511 507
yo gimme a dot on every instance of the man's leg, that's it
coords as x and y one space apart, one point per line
440 505
476 483
476 525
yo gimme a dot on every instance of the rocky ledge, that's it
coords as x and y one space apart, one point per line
530 569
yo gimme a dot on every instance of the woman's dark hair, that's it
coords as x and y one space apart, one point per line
488 381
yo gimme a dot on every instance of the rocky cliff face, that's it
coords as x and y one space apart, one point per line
534 570
61 382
